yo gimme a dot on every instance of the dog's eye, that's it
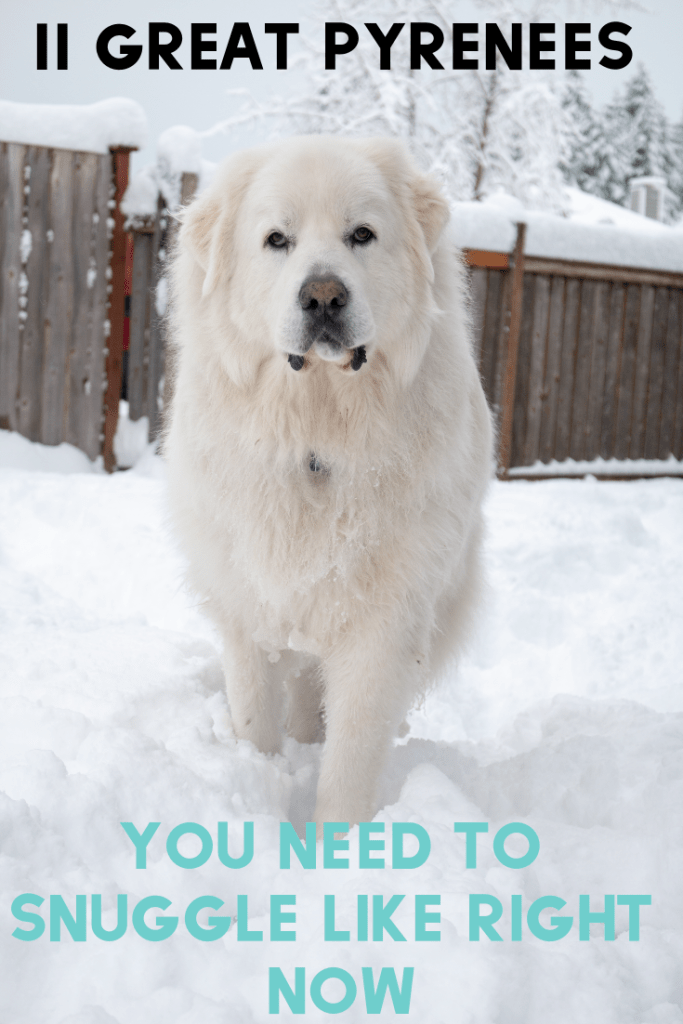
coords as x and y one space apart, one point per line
362 235
276 240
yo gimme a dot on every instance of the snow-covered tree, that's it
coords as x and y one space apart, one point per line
637 137
479 131
584 163
676 178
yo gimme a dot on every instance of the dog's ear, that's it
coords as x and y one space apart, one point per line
424 195
203 234
208 224
431 209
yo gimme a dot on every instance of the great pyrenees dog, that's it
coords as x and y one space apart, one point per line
329 445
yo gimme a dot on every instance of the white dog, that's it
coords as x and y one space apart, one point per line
329 445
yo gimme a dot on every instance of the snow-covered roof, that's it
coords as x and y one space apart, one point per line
593 231
92 128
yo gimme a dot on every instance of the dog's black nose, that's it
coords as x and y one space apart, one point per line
325 294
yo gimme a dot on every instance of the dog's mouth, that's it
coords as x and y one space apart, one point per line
358 357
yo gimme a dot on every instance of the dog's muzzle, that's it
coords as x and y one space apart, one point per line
323 300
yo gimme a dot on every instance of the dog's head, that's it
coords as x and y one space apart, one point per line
317 248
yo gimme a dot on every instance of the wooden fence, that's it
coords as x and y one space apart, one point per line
149 359
599 363
578 360
59 339
147 341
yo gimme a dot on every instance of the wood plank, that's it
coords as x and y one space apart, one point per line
627 370
36 269
486 258
12 157
582 369
677 440
490 332
653 408
551 379
78 428
4 347
157 332
608 419
596 390
138 356
537 359
502 345
521 388
59 307
603 272
673 367
478 287
101 250
508 345
642 373
120 162
570 329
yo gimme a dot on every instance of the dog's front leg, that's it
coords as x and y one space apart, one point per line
254 691
369 683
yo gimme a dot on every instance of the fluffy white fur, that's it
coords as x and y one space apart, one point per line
351 585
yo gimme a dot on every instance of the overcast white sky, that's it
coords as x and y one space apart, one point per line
199 98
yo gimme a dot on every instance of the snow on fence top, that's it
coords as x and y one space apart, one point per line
93 128
179 151
593 232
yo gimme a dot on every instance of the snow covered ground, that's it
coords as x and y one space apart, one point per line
567 716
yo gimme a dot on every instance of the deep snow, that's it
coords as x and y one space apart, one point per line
567 715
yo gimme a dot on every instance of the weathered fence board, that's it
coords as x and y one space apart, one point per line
551 377
521 396
146 351
677 441
28 399
11 200
596 384
622 442
570 330
672 368
642 366
83 324
613 348
490 331
59 305
95 385
653 411
539 334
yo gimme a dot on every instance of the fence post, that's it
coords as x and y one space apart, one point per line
120 161
508 398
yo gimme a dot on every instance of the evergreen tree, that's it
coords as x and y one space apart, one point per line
676 179
638 138
584 164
